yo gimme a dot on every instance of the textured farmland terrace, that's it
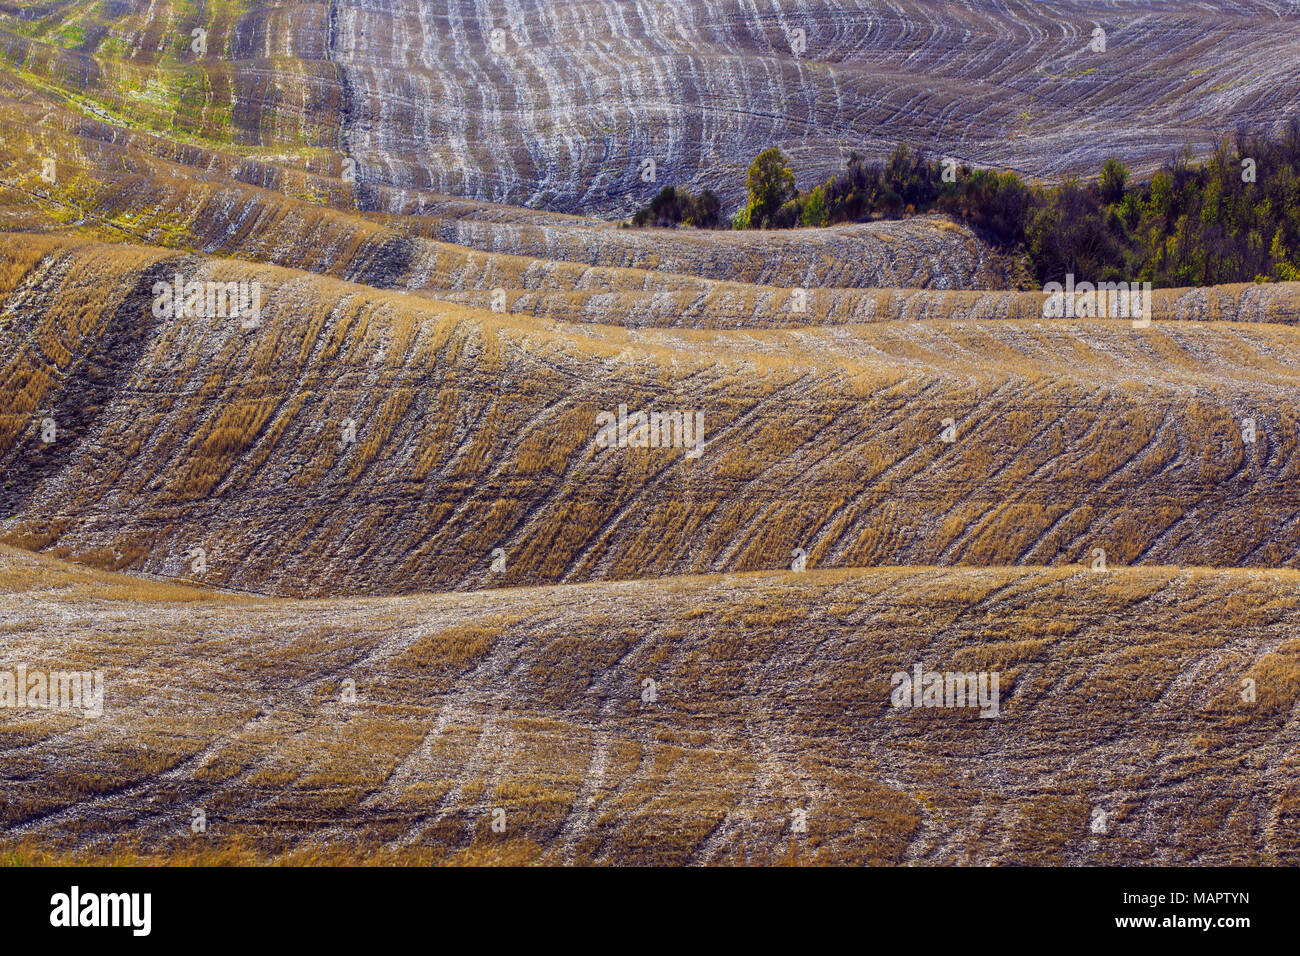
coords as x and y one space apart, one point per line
1120 696
575 96
122 185
419 401
473 431
562 109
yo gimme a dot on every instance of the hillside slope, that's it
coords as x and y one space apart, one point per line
122 184
360 441
1122 736
373 574
561 105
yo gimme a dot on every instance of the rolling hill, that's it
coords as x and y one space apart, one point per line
394 730
371 573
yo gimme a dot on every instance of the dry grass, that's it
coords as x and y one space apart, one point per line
476 431
1120 691
644 682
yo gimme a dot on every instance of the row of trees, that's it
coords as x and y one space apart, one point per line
1233 218
675 206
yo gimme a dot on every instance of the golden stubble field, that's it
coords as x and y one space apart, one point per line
401 729
363 585
360 441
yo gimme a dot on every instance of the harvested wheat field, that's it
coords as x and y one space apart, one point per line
686 720
625 433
